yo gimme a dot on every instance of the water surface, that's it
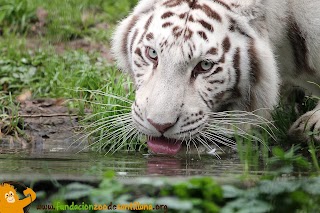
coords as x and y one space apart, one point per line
57 164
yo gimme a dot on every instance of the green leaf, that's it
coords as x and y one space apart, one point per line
77 190
277 187
243 205
231 192
312 186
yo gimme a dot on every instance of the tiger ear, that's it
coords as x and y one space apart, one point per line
119 43
266 16
255 12
252 9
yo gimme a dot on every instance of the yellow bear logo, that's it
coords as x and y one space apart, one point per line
9 199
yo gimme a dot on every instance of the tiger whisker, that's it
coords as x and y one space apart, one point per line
122 120
99 92
111 136
102 104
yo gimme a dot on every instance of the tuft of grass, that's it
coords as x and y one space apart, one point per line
288 162
16 16
313 150
10 122
110 125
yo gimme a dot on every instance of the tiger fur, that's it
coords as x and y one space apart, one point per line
190 59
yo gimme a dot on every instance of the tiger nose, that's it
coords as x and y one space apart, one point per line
161 127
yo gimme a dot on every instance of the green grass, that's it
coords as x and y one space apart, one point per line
9 119
64 21
16 16
50 75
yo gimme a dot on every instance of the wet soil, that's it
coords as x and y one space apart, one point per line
47 124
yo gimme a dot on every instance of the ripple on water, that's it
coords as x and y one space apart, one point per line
30 164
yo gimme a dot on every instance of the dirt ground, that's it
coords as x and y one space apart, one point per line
48 124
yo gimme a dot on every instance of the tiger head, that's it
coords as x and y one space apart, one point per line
193 62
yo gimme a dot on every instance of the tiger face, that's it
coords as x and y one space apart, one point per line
193 62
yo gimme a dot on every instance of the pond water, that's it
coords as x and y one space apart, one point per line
57 164
49 156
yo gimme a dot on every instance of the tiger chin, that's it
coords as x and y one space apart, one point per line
201 67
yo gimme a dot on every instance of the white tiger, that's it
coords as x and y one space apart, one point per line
194 62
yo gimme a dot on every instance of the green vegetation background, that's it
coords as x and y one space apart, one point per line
55 49
60 49
31 33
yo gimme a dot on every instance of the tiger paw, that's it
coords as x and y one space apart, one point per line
307 126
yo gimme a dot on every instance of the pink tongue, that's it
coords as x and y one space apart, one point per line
164 146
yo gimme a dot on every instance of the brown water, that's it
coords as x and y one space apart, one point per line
57 164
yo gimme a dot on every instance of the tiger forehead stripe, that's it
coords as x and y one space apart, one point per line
188 34
172 3
206 25
148 22
223 4
183 15
167 15
167 24
226 47
191 19
203 35
177 31
149 36
193 4
209 12
212 51
226 44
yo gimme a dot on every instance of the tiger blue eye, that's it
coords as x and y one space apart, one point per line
206 65
152 53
